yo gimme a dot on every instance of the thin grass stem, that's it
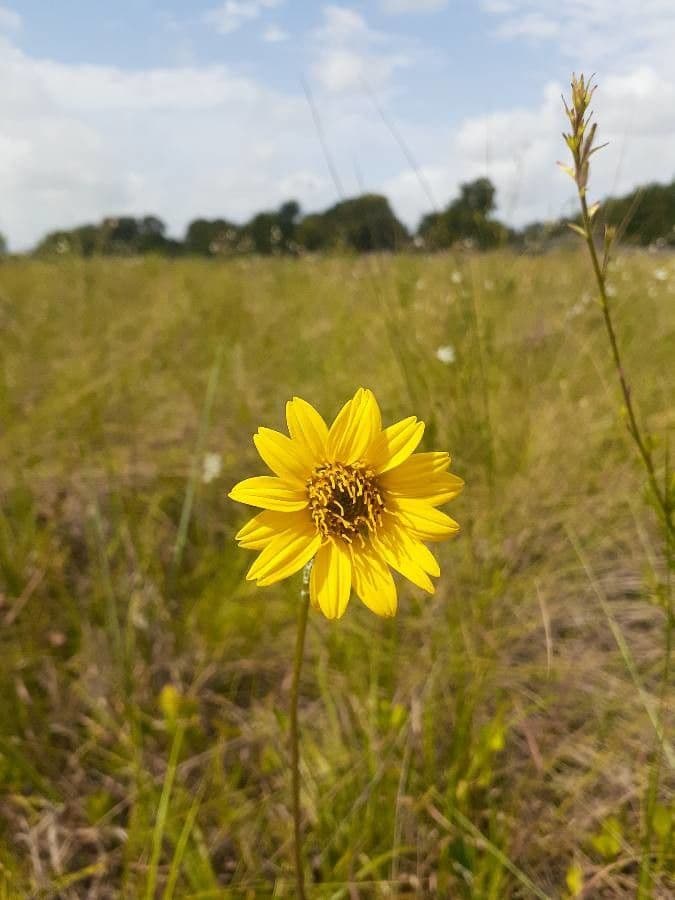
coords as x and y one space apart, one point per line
163 812
295 735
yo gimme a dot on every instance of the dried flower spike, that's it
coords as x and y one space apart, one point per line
581 138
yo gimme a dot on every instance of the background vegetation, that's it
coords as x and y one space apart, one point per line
493 741
362 224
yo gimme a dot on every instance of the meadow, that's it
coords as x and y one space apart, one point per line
495 740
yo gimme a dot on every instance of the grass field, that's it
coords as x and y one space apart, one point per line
495 740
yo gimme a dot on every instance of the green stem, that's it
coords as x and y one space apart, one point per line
633 426
295 747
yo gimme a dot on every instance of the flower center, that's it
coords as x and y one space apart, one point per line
345 501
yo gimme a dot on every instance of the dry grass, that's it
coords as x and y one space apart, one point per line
489 742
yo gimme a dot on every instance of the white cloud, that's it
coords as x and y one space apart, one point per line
412 6
275 35
341 69
9 19
343 24
350 55
591 32
532 25
79 142
232 14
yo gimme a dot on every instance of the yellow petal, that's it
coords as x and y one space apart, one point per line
402 552
331 579
395 444
284 555
260 530
269 493
417 467
414 549
373 583
434 489
306 426
425 522
286 458
354 429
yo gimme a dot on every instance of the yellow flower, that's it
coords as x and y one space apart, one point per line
353 498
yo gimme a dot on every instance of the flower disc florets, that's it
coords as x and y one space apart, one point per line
345 501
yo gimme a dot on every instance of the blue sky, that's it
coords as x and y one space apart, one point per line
186 110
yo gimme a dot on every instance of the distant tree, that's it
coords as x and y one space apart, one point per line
363 224
126 235
274 232
63 243
264 232
647 214
644 216
368 223
114 236
120 235
465 219
289 211
211 237
313 232
3 245
289 215
477 197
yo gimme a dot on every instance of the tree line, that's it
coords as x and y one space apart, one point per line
363 224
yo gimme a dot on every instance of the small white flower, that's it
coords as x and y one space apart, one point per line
446 354
610 290
211 467
456 277
661 274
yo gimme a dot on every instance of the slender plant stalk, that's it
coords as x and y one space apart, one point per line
581 144
163 812
295 743
633 426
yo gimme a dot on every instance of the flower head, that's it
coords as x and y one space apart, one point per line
353 498
446 354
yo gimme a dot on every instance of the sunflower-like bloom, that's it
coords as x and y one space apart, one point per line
351 497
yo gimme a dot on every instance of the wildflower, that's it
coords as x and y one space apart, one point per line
661 274
353 499
456 277
446 354
212 465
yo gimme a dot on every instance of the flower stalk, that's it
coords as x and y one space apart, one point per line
295 735
581 143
